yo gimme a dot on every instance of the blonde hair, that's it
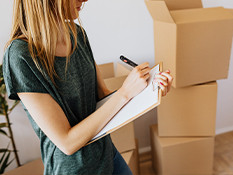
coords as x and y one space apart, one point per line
39 23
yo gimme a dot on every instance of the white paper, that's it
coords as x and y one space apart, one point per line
147 98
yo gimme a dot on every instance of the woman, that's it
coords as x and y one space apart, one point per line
49 66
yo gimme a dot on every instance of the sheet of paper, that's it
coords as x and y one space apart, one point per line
136 106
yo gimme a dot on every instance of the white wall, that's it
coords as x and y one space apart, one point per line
114 27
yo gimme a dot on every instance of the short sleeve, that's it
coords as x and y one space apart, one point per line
20 75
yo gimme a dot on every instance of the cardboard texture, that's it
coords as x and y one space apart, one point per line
124 138
194 43
35 167
123 69
112 82
230 10
192 111
183 4
106 70
131 159
182 156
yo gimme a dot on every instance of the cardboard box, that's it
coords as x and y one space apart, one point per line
131 159
195 44
112 82
123 69
183 4
35 167
106 70
188 111
182 156
231 10
124 138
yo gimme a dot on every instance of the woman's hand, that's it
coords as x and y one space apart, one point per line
136 81
164 80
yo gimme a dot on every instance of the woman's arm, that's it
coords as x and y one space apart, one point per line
51 119
102 88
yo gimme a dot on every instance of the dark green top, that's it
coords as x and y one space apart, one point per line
77 96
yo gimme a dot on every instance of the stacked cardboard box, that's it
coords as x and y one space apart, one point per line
35 167
195 44
182 155
123 138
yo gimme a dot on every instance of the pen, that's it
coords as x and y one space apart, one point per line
128 61
131 63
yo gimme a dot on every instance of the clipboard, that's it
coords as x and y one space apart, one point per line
145 101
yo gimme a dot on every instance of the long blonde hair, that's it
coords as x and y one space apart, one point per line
39 23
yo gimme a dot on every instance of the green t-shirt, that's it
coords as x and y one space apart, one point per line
76 93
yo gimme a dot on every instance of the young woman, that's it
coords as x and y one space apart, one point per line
49 66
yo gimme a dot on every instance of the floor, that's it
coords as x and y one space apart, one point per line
223 157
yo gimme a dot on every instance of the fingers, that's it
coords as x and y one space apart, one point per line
164 89
143 66
143 70
164 80
167 75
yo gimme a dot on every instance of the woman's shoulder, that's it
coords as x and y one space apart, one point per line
17 53
17 48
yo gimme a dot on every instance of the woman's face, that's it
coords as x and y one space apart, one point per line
75 6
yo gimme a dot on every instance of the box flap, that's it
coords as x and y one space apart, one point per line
114 83
123 69
106 70
230 10
127 156
201 14
183 4
159 10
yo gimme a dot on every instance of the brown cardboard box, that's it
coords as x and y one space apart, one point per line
106 70
124 138
195 44
112 82
182 156
123 69
131 159
188 111
35 167
231 10
183 4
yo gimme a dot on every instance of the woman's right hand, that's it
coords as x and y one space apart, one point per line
136 81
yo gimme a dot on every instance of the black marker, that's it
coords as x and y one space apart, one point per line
129 62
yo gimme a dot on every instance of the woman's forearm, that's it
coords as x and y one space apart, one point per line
50 117
92 125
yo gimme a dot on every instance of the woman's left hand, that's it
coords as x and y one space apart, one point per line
164 80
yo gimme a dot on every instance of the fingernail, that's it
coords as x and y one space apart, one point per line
161 83
160 73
